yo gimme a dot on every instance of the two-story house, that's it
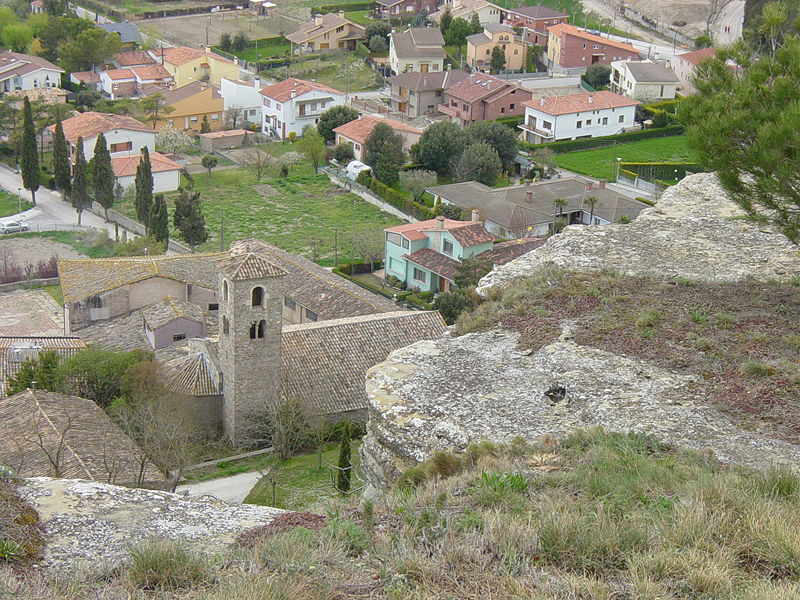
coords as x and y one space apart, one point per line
190 64
291 104
25 72
534 20
416 94
326 32
569 47
587 115
483 98
131 81
125 137
495 35
242 101
399 8
464 9
685 64
190 104
356 132
643 79
418 49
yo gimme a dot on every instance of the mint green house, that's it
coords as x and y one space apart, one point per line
425 255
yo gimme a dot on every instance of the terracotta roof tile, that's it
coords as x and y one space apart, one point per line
416 82
414 231
117 74
133 58
191 375
575 103
282 91
471 235
14 63
507 251
695 56
125 166
359 129
15 350
85 76
181 55
311 29
243 267
565 28
435 262
479 86
92 124
150 72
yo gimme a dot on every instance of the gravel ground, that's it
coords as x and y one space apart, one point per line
25 251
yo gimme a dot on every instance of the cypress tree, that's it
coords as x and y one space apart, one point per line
103 175
159 220
80 185
28 155
144 188
62 171
343 477
205 126
189 220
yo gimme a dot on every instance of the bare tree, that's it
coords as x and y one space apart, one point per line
286 424
50 437
233 117
370 246
257 161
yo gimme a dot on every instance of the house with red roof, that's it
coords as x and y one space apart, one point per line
166 172
358 130
685 64
481 97
576 116
534 20
569 47
290 105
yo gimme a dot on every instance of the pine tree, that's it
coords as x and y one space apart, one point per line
205 126
144 188
159 220
28 155
80 184
189 220
343 477
62 171
103 175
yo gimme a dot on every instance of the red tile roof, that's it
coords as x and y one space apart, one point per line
86 76
91 124
133 58
282 91
433 261
471 235
125 166
116 74
151 72
696 56
359 129
562 28
575 103
479 86
469 232
181 55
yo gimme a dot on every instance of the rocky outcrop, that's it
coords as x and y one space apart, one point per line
94 524
694 231
445 394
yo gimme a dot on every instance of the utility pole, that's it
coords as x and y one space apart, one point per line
335 247
222 232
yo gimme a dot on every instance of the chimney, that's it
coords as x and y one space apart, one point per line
529 196
590 99
449 66
589 186
476 215
341 13
292 94
318 20
601 184
541 101
440 222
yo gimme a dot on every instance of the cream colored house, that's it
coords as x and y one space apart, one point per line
327 32
480 46
464 9
356 133
190 64
645 80
419 49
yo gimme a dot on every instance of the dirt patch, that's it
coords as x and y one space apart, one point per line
33 254
195 30
742 339
265 189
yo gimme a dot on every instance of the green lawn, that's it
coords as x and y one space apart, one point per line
359 17
9 204
601 162
300 481
251 54
303 213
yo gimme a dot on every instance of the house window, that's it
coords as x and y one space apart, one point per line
588 122
340 29
179 337
502 110
409 67
393 238
622 118
487 51
277 106
435 67
290 304
547 124
121 147
438 93
262 328
447 247
605 120
267 102
579 124
516 51
213 306
419 275
225 325
311 315
258 296
215 117
192 119
171 122
511 106
405 243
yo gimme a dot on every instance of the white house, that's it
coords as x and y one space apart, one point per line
645 80
166 173
118 83
419 49
292 104
464 9
245 96
25 72
576 116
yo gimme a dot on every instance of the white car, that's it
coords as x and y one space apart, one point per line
13 227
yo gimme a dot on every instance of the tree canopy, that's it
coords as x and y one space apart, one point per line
498 59
80 182
144 187
28 155
598 75
91 47
437 147
103 175
62 171
188 218
383 151
333 118
159 220
478 162
500 137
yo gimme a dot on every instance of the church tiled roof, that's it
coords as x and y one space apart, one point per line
242 267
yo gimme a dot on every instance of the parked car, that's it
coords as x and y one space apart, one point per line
13 227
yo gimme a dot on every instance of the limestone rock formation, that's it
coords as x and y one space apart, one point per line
694 231
94 524
447 393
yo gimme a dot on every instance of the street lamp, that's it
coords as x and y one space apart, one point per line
19 201
619 159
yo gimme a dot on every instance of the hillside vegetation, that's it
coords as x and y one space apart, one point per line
593 516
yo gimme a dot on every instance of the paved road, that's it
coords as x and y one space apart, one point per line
232 489
52 204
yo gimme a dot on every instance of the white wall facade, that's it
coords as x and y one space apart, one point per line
245 96
589 123
136 139
283 118
40 78
163 181
623 83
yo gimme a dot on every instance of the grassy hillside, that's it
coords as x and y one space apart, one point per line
595 516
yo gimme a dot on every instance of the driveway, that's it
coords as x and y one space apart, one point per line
232 489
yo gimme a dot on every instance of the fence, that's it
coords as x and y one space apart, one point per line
654 177
363 192
135 227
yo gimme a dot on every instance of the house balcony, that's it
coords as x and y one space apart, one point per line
453 111
399 97
543 133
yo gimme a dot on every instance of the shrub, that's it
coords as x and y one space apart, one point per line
600 142
165 565
21 539
778 482
442 464
411 478
354 538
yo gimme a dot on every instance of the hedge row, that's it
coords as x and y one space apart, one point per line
600 142
331 8
272 63
395 198
417 300
177 12
513 122
359 268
